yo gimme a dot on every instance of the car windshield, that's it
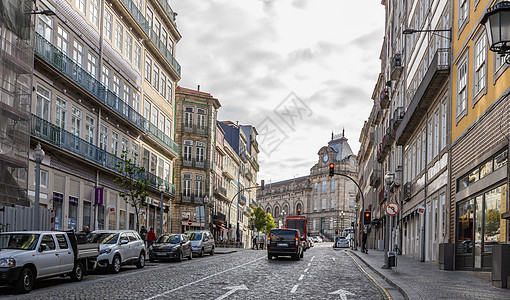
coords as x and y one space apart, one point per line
103 238
283 235
169 238
195 236
20 241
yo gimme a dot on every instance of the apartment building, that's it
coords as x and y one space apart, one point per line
104 84
196 113
480 145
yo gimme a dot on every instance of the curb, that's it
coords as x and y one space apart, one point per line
225 252
394 285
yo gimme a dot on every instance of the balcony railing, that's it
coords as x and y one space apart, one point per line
256 164
63 139
221 191
254 204
199 163
242 200
187 162
194 128
384 99
162 138
64 64
166 7
398 115
185 198
140 19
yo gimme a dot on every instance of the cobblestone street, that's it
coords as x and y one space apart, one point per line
246 274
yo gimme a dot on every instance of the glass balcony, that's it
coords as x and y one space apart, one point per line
63 139
140 19
166 7
64 64
162 138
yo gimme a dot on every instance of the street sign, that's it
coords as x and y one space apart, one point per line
189 222
391 208
421 209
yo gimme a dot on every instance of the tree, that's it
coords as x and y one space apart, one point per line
258 217
270 224
133 182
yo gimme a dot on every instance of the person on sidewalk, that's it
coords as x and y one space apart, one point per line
151 237
255 244
364 242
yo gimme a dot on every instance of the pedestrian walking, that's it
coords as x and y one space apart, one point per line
364 242
255 244
151 237
143 234
261 243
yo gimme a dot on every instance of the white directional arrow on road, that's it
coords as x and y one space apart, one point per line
232 289
343 294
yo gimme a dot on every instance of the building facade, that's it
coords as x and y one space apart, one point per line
480 141
327 202
194 173
104 87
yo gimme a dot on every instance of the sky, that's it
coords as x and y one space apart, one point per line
297 70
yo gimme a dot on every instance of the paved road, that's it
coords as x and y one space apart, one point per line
246 274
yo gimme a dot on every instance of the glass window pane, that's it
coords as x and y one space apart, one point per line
465 228
492 219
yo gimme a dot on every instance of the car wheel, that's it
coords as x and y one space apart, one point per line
201 253
77 274
25 282
115 266
179 257
141 261
212 251
190 257
269 256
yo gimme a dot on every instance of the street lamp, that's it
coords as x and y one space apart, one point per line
356 227
388 180
38 157
342 214
282 214
206 200
497 24
162 189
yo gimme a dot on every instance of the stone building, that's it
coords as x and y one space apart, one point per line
327 202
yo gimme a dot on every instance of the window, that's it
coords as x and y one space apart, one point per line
462 87
324 186
126 95
75 121
188 117
155 113
60 112
201 119
188 146
429 141
316 187
42 106
314 204
413 162
423 149
333 183
323 203
418 155
63 40
332 202
116 85
115 143
463 12
92 64
82 6
105 79
129 47
199 185
45 27
157 27
147 110
137 55
78 53
162 122
330 223
94 12
169 92
62 242
171 46
103 138
118 35
163 85
48 240
164 37
436 134
200 149
125 146
479 65
90 129
155 81
43 179
444 113
134 153
136 102
148 68
149 16
108 25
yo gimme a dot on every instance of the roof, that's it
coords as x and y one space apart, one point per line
285 182
186 90
340 145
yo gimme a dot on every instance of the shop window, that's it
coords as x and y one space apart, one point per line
465 228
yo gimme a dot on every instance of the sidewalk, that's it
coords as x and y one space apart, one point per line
418 280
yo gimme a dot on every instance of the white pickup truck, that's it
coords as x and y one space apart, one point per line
29 255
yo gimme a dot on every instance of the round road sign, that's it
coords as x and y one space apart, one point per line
189 222
391 208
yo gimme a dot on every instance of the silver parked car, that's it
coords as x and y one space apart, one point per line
118 247
202 241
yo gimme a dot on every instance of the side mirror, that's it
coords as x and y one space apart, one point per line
206 239
123 242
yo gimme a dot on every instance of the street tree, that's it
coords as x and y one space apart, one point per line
258 217
133 182
270 224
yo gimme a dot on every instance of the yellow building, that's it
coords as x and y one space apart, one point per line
479 140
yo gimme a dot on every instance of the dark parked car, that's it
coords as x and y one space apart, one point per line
284 242
170 246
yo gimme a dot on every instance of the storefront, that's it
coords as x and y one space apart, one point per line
479 225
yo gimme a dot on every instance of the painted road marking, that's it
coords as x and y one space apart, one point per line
306 270
294 288
312 258
232 289
373 279
202 279
342 293
309 264
301 277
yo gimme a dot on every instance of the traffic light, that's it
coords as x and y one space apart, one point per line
331 170
299 211
367 218
336 231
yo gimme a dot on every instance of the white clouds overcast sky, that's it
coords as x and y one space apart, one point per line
252 54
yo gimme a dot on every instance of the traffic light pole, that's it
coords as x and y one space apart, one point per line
362 204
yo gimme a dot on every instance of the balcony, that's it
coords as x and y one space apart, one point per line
185 198
396 67
156 41
390 134
194 128
167 9
163 139
187 162
248 175
384 99
242 200
229 174
254 204
199 163
256 165
406 191
65 140
375 179
221 191
243 156
54 57
398 115
199 199
435 78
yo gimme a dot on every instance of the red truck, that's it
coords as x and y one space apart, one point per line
298 222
